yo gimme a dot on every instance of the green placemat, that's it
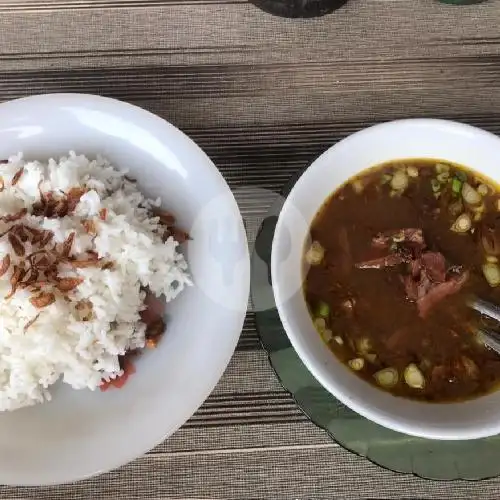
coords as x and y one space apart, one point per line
432 459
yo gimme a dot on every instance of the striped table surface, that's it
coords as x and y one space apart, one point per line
263 96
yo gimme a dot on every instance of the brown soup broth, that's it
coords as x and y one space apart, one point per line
396 251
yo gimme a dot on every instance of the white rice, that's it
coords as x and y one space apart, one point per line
58 345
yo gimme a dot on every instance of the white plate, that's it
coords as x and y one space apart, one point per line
82 433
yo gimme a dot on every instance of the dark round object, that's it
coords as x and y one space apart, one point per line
299 8
462 2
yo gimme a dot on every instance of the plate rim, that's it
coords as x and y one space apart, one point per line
209 383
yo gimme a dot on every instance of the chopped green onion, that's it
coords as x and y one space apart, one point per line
388 377
399 181
456 185
356 364
478 216
315 254
479 211
442 167
462 224
443 177
491 272
320 324
323 310
327 335
470 195
385 178
413 377
363 345
412 171
491 259
483 189
358 186
436 185
479 208
461 176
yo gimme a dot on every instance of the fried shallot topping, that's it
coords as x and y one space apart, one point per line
37 258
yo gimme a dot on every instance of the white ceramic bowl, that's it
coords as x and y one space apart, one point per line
81 433
419 138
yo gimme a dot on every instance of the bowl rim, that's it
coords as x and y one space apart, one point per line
298 342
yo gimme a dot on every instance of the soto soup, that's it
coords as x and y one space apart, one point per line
393 255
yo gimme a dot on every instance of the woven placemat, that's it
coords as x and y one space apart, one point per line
263 96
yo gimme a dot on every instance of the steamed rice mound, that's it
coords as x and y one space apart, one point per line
44 338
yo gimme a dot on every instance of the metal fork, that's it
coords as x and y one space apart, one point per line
489 337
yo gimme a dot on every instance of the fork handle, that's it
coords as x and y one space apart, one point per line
488 339
485 308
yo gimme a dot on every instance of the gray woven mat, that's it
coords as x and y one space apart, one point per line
263 96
